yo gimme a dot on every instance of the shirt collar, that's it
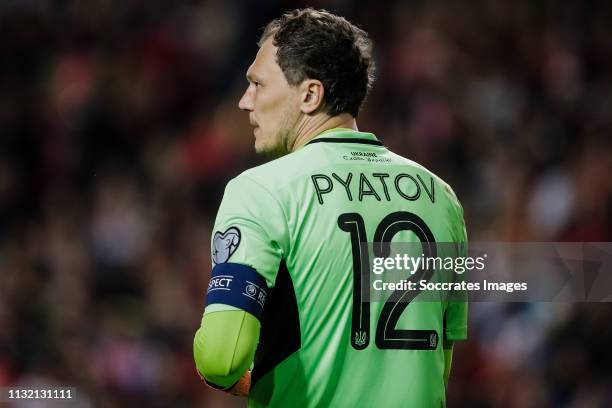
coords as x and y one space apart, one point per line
345 135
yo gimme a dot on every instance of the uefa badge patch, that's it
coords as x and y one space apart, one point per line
225 244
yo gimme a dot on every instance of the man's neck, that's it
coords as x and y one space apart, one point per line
316 125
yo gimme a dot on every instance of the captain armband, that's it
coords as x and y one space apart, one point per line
239 286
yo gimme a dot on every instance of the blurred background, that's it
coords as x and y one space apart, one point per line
119 129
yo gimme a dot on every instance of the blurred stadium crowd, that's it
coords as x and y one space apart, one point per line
119 128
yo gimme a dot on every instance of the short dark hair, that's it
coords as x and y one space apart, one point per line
316 44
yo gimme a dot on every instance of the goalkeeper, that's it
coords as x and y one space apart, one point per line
288 320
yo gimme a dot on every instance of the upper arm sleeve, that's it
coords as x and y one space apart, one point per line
248 242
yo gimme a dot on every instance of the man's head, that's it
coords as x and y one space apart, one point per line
310 63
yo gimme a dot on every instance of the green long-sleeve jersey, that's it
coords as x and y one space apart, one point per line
288 249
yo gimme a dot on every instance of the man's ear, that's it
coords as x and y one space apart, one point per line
312 95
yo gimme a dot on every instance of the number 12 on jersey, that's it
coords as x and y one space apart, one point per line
387 335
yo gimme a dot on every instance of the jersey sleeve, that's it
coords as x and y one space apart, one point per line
249 240
455 318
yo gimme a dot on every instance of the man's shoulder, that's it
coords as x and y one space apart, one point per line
258 189
255 190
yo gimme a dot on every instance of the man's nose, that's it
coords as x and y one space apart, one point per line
246 102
